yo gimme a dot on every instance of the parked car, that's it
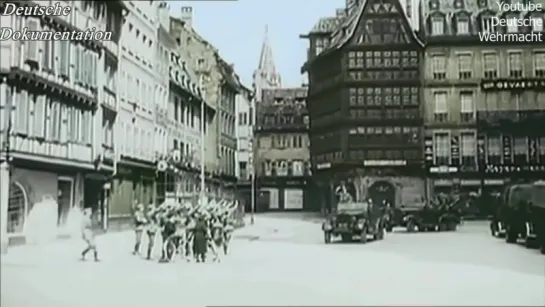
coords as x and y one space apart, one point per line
537 214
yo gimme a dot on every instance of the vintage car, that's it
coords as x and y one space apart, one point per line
515 213
538 213
426 218
354 219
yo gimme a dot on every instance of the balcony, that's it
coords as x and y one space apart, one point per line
108 155
109 99
111 47
524 121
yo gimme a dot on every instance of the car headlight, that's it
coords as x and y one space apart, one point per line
405 218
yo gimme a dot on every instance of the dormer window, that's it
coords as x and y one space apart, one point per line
487 25
437 26
458 4
512 26
462 25
537 24
434 4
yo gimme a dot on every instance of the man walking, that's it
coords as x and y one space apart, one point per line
152 227
88 234
139 225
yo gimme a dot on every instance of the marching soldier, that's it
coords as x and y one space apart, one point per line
152 228
139 225
88 235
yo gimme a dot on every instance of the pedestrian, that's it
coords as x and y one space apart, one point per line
200 239
88 234
139 225
151 229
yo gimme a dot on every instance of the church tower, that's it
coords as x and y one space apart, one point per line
266 75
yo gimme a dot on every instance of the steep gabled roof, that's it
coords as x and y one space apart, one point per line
348 28
326 25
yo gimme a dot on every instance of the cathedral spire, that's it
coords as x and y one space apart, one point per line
266 69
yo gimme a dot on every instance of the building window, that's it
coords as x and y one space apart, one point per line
442 149
487 24
467 107
541 149
282 169
493 150
515 64
539 64
537 25
319 47
465 66
298 168
490 65
516 101
441 110
520 150
21 103
462 25
437 26
512 26
439 67
468 149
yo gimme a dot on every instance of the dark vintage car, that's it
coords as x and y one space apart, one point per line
426 218
355 219
515 214
538 214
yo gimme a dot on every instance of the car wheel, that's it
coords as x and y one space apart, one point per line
363 235
510 235
451 226
327 237
411 227
346 237
493 230
542 248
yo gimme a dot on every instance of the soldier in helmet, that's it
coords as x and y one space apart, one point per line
139 225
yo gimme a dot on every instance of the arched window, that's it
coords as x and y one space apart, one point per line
17 208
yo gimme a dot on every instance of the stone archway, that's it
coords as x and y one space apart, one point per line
381 191
17 208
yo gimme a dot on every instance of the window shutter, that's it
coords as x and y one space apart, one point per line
32 45
39 118
65 58
86 67
20 101
46 54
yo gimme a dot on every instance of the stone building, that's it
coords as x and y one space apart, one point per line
58 104
483 101
369 140
135 127
245 108
282 151
215 79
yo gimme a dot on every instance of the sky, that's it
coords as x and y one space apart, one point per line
237 29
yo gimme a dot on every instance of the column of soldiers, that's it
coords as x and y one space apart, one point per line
189 230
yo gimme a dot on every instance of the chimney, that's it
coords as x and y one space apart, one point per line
341 12
187 15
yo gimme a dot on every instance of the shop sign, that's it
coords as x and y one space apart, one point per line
501 169
507 85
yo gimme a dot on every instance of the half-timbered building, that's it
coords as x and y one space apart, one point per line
484 99
58 104
281 151
364 105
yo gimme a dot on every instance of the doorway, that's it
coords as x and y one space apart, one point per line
381 191
65 198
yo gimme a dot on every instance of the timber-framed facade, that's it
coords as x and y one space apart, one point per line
364 103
